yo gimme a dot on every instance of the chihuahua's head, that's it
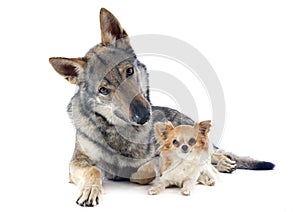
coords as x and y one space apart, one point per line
182 139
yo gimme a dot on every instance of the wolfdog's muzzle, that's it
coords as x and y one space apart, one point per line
139 110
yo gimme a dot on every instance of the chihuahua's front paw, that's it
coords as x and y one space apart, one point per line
206 180
154 191
90 196
157 188
185 192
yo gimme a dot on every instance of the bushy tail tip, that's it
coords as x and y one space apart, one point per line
263 165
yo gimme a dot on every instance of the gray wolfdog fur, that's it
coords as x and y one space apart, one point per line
113 116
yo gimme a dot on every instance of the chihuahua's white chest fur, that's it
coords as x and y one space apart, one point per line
182 169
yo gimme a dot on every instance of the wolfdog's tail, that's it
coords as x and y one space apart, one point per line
243 162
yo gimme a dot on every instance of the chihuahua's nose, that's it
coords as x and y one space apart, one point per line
185 148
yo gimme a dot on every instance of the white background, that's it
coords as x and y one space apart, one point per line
254 47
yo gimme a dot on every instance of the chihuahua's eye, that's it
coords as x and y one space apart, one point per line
192 141
129 72
176 143
104 91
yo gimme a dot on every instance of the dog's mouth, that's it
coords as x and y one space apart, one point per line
135 120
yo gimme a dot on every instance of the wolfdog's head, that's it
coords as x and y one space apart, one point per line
111 81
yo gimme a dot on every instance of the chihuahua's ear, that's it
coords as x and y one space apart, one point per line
162 130
69 68
111 29
203 127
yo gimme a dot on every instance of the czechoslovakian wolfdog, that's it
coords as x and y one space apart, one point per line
113 115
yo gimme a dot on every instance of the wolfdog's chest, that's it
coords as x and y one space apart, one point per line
116 155
117 150
129 141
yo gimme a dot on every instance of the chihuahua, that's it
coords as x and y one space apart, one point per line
185 157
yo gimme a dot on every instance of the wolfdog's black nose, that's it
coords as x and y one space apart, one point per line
140 113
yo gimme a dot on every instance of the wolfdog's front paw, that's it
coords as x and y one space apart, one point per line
90 196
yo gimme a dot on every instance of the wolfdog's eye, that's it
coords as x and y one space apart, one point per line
176 143
192 141
104 91
129 72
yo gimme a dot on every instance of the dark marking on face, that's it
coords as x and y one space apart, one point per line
176 143
192 141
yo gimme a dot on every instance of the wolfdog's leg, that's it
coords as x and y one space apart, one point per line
146 173
87 178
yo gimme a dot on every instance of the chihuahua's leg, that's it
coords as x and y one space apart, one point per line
87 177
213 175
209 176
204 179
158 187
223 163
187 187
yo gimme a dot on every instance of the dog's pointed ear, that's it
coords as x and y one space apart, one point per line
203 127
69 68
162 130
111 29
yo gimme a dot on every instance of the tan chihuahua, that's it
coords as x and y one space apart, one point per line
185 154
